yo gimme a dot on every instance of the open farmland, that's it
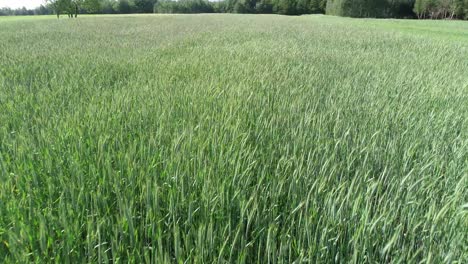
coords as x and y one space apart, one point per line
233 139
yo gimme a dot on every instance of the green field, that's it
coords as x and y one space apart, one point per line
233 139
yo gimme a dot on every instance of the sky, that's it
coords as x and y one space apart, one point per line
20 3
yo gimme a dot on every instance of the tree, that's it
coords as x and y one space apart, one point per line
465 9
401 8
420 8
55 5
74 7
144 6
303 6
245 6
368 8
183 6
123 7
458 8
42 10
264 7
286 7
91 6
434 9
317 6
106 6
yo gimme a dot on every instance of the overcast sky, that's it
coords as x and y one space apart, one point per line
21 3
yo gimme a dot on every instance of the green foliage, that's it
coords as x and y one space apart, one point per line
436 9
123 7
465 9
264 7
91 6
73 7
419 8
144 6
286 7
245 6
233 139
183 6
317 6
367 8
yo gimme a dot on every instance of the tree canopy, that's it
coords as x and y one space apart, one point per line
434 9
423 9
73 7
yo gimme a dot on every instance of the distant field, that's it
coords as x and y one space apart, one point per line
233 139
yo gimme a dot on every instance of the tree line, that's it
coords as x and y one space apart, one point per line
41 10
433 9
422 9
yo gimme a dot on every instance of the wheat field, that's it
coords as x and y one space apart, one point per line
233 139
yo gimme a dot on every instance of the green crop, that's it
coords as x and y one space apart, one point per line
233 139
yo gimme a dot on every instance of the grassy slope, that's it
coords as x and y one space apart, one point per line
233 138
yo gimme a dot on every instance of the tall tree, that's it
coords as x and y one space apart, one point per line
144 6
124 7
286 7
57 5
245 6
420 8
91 6
303 6
264 7
317 6
72 7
